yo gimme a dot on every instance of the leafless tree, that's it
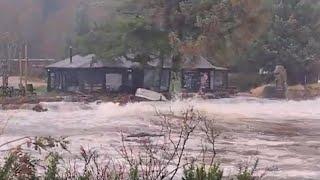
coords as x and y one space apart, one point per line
211 132
163 159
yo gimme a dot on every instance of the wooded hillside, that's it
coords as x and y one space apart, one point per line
47 25
244 35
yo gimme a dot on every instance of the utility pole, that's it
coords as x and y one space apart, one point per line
4 74
7 63
26 65
70 54
5 69
20 69
161 64
4 63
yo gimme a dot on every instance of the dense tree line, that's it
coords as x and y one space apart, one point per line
245 35
48 25
292 40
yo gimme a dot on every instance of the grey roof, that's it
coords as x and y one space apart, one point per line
33 60
121 62
89 61
167 63
78 61
194 62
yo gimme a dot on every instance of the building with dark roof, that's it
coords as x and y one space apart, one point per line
84 73
87 74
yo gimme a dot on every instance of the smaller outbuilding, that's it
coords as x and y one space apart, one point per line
197 74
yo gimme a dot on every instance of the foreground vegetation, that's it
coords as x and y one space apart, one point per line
163 155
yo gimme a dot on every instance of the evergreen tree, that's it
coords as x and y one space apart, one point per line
82 20
244 34
292 39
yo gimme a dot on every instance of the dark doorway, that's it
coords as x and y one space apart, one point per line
137 79
191 81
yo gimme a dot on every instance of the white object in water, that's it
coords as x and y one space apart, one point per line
150 95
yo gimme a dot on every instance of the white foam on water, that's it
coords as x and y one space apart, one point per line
97 125
63 115
243 107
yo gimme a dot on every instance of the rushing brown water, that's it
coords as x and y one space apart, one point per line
285 135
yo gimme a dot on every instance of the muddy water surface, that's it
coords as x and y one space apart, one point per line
285 135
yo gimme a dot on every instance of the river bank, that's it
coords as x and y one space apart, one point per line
296 92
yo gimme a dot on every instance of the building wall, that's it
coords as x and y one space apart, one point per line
125 80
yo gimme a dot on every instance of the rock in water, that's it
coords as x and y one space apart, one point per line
269 91
39 108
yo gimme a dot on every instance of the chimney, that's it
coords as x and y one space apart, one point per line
70 53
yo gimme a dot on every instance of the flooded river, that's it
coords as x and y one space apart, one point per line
285 135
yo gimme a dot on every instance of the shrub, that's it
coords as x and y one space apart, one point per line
134 173
245 173
202 173
18 165
52 172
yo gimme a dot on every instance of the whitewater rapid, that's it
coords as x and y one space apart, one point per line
244 107
283 133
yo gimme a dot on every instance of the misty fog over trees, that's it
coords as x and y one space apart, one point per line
244 35
47 25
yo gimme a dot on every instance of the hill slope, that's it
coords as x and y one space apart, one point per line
47 24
